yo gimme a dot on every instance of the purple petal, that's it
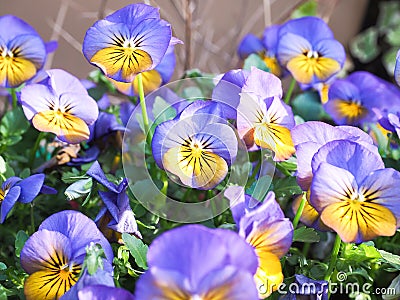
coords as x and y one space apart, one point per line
271 38
41 246
248 45
291 45
64 82
36 98
79 229
30 187
80 105
349 156
12 26
97 174
51 46
240 203
126 110
8 202
180 249
101 292
263 84
332 49
304 153
397 68
166 67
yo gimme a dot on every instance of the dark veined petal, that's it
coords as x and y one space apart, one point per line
46 250
130 46
68 128
356 222
80 230
383 187
327 189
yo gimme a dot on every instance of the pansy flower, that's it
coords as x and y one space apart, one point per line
263 119
116 212
195 262
310 136
53 256
354 193
264 227
22 51
198 145
152 79
15 189
351 101
60 104
308 50
131 40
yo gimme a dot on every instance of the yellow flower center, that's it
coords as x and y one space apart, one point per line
351 110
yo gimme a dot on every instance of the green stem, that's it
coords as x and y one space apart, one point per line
35 148
299 211
290 91
32 219
255 171
164 179
14 97
143 105
332 262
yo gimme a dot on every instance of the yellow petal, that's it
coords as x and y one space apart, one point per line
269 273
203 170
304 68
16 70
151 81
49 284
276 138
129 61
64 125
272 65
357 221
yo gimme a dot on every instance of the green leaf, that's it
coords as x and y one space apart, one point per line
14 123
286 187
308 106
20 240
389 15
361 253
137 249
94 258
389 60
392 36
390 258
308 8
79 189
254 60
162 110
365 45
306 235
3 266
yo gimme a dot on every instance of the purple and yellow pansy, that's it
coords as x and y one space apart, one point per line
60 104
359 203
130 41
264 226
198 145
22 51
53 256
308 50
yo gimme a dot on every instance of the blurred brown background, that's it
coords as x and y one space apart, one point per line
213 27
